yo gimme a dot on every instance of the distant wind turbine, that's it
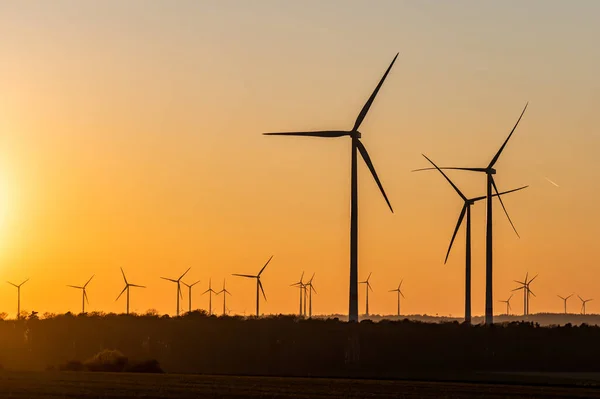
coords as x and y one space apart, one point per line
399 293
466 209
18 296
356 146
583 302
367 288
507 302
526 292
311 289
84 298
209 291
189 287
565 299
491 185
301 288
178 282
225 293
258 285
127 286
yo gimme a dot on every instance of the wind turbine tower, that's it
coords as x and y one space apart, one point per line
259 286
209 291
18 286
565 299
128 285
178 282
225 293
367 288
357 147
189 287
84 298
399 293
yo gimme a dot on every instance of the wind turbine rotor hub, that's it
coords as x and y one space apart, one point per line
491 171
356 134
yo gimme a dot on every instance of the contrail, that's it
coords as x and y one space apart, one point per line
551 182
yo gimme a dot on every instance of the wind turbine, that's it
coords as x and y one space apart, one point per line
565 301
258 285
399 291
189 287
367 288
178 282
311 289
127 286
466 209
225 293
526 292
507 302
18 296
84 298
583 302
491 184
356 145
209 291
302 290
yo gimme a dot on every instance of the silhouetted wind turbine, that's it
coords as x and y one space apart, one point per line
367 288
399 292
189 287
209 291
127 286
311 289
300 286
356 144
507 302
583 302
18 296
490 171
526 292
258 285
466 209
178 282
565 301
84 298
225 293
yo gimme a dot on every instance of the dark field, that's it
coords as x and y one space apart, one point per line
107 385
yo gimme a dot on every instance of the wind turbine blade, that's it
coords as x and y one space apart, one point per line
561 297
85 285
532 279
393 290
517 289
311 279
123 273
369 277
138 286
261 270
580 298
451 168
244 275
365 109
569 296
262 289
301 277
180 277
318 133
520 282
124 289
74 286
369 286
503 207
447 178
169 279
402 295
85 296
12 284
313 288
531 292
458 223
510 191
526 277
23 282
495 159
511 295
367 159
193 284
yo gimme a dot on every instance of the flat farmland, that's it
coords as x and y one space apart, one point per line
109 385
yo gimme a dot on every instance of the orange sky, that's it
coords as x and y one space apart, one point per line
131 136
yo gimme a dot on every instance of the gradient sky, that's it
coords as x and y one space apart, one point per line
131 136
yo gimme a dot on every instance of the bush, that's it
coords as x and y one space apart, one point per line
147 366
107 360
